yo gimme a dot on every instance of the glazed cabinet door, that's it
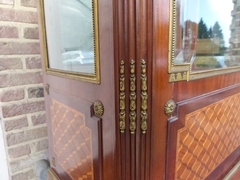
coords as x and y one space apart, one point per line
78 70
195 131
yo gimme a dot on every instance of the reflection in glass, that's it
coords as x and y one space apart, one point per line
70 35
204 34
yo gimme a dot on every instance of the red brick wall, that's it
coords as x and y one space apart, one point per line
21 89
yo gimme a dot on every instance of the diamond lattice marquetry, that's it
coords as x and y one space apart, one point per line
72 141
210 135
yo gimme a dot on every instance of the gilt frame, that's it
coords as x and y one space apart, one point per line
183 72
92 78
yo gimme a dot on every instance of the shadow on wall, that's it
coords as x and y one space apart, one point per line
41 169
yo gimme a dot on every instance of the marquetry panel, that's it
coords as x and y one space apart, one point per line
72 141
210 135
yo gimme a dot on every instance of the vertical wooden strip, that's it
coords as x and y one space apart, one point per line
128 165
133 118
132 29
122 159
132 56
161 90
144 45
144 116
122 14
149 56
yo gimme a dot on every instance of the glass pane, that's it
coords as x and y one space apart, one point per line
205 34
70 37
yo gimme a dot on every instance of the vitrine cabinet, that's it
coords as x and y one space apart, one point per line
120 106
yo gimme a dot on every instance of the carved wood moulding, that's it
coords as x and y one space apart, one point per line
133 33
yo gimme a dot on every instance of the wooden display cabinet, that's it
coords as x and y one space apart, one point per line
116 121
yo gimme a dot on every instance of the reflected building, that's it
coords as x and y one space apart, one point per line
189 39
233 57
187 31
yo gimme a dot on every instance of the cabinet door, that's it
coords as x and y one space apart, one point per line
77 46
200 139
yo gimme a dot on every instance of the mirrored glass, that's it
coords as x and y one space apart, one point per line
70 35
206 32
